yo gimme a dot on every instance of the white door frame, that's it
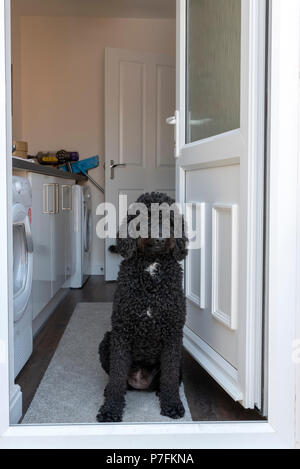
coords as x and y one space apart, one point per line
279 432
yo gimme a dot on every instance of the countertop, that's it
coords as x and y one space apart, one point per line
24 165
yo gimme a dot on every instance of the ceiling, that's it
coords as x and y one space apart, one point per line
100 8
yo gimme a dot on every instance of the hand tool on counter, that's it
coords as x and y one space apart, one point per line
55 159
83 166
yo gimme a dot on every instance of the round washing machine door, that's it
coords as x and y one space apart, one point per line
22 260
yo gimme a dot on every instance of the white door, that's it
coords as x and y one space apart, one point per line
140 94
219 90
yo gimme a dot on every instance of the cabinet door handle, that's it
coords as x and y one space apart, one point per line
46 210
46 199
57 198
54 199
67 188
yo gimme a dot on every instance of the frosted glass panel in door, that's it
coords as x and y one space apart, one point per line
213 67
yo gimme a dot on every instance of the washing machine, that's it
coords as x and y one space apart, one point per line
22 272
82 235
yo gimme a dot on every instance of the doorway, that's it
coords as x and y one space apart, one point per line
139 149
224 211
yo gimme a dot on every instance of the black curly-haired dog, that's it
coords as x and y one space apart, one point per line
144 348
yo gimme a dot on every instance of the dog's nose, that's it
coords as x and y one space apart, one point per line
159 242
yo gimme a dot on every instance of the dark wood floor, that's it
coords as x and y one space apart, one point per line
207 400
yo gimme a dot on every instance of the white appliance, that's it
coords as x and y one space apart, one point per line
22 271
82 235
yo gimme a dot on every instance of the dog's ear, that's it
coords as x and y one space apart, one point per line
126 246
180 250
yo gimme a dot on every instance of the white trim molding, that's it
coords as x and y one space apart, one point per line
228 318
224 373
15 405
279 432
199 210
252 195
298 298
8 391
282 252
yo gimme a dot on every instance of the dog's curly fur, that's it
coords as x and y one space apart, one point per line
149 313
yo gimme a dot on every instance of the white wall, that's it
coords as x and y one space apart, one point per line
59 99
97 8
16 71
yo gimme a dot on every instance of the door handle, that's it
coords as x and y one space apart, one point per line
53 211
46 199
175 120
171 120
56 198
68 189
114 165
55 207
29 240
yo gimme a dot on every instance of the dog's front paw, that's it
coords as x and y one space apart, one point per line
174 410
109 414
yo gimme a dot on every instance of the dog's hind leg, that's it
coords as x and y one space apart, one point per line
104 352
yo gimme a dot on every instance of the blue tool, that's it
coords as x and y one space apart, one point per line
81 167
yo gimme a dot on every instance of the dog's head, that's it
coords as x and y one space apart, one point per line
162 233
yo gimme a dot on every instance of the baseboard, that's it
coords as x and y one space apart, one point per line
222 372
15 406
45 314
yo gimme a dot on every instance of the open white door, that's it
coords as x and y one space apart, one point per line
220 170
139 145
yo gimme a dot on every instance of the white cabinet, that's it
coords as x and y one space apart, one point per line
51 231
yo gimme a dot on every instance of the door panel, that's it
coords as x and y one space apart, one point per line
213 70
166 92
132 113
140 95
212 186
